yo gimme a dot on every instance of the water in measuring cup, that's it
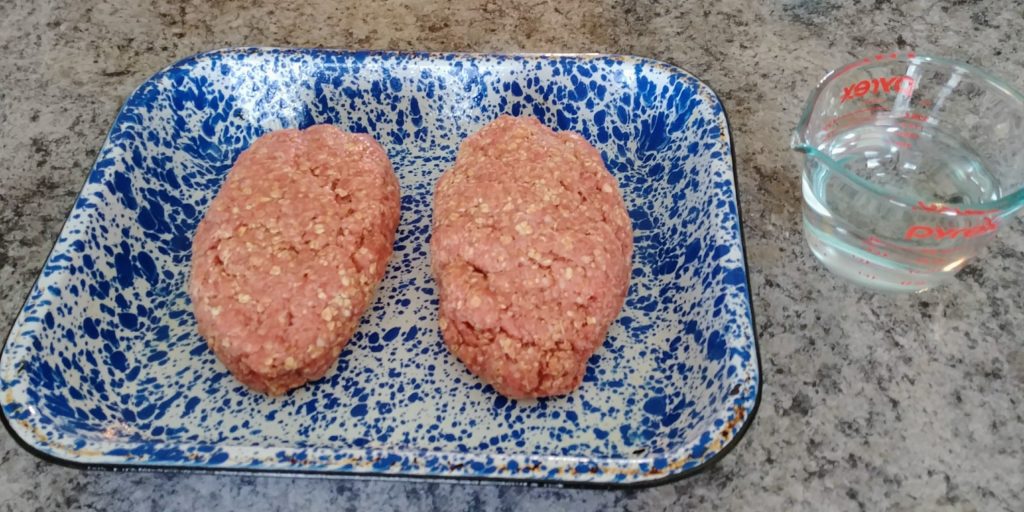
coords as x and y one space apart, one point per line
844 223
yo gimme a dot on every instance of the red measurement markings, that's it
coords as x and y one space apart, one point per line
841 122
908 130
866 112
866 275
913 283
868 60
874 247
878 100
941 208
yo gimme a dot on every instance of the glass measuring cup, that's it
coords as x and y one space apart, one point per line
910 166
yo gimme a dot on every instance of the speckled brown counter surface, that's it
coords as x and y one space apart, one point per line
870 402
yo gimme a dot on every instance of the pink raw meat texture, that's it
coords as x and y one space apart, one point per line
287 257
531 249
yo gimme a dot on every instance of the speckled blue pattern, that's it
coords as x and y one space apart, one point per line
104 365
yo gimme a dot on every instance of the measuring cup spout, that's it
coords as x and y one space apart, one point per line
797 142
1011 210
800 141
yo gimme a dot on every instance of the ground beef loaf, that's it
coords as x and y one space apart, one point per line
288 255
531 250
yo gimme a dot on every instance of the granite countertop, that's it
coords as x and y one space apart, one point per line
871 402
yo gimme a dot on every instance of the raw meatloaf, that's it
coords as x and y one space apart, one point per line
531 251
288 255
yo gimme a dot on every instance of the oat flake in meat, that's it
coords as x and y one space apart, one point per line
532 251
289 252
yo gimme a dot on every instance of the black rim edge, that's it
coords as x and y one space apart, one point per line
643 484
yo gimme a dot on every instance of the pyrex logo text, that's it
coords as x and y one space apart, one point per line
921 232
902 84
